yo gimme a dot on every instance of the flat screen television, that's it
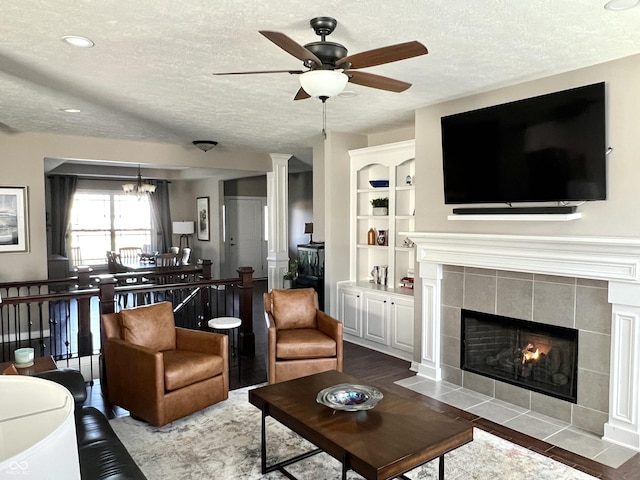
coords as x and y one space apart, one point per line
550 148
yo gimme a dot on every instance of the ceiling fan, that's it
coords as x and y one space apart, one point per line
329 68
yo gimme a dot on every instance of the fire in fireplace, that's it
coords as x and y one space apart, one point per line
536 356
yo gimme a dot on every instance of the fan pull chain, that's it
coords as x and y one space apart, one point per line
324 117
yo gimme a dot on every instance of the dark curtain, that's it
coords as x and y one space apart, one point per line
61 191
160 216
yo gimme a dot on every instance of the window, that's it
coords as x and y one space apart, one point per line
102 221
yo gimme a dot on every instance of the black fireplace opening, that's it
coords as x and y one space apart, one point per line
536 356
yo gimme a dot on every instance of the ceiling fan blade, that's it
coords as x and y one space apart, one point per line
292 72
379 56
301 95
377 81
291 47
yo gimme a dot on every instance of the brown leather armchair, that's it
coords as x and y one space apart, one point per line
160 372
302 340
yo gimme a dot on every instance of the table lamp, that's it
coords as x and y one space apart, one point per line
308 228
37 430
184 229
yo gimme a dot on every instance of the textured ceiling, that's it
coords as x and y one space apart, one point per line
149 76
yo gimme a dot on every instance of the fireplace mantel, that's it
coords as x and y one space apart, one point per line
615 260
586 257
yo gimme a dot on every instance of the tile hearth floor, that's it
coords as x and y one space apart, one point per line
539 426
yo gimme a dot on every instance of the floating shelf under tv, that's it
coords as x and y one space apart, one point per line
519 217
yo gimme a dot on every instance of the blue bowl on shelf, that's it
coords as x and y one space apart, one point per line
379 183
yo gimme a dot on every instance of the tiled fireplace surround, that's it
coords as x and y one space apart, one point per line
588 283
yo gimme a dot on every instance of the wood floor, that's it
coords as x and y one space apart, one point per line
382 371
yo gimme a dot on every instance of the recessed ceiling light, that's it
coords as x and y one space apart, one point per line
618 5
78 41
70 110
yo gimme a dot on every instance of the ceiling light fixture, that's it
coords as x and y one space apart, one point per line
78 41
205 145
139 188
323 84
619 5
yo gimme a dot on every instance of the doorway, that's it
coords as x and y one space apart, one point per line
244 236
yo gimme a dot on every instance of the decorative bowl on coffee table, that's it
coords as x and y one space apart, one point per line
349 397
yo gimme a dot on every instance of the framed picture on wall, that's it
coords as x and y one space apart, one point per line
202 208
13 219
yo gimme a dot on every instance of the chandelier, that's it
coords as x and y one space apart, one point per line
139 188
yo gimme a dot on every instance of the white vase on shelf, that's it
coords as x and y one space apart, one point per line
380 211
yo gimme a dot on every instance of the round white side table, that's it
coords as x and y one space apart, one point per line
229 326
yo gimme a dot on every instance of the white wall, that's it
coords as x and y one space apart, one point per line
22 164
336 204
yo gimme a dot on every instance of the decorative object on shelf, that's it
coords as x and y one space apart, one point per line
349 397
380 206
408 243
205 145
406 282
139 188
371 237
382 237
308 229
409 180
379 183
379 274
13 219
202 209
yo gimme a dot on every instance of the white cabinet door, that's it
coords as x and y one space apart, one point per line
376 317
402 323
350 310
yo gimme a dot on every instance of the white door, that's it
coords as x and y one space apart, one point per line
244 241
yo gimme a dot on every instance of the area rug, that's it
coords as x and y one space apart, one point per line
223 442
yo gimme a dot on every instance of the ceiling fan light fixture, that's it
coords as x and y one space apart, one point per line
323 83
205 145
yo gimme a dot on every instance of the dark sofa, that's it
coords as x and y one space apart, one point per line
102 454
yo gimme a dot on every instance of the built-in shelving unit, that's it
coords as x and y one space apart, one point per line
394 163
374 315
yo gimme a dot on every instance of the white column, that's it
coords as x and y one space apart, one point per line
623 426
431 275
278 220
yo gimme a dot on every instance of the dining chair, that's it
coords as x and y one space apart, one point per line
76 256
130 254
167 260
114 262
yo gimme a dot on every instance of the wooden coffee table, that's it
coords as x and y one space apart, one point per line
396 436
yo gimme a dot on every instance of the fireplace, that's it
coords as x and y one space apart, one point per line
536 356
615 261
